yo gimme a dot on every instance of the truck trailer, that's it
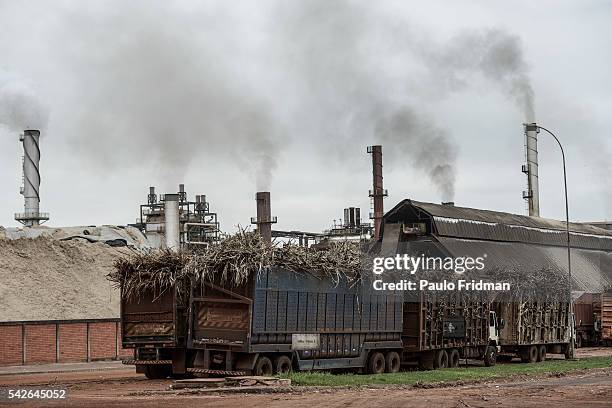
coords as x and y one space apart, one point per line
280 321
531 329
605 320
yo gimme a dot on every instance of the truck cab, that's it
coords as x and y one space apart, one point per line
494 328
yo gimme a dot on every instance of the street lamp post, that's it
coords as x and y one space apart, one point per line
536 128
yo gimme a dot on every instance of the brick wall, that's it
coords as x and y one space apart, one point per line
102 338
72 342
40 343
10 345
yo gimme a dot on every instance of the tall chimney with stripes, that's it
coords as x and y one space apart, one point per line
31 180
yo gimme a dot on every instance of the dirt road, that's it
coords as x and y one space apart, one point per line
123 388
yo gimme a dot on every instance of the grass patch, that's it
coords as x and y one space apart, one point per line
448 375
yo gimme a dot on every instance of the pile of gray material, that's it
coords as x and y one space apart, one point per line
109 234
49 279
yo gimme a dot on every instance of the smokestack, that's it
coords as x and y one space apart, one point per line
532 195
378 192
181 193
31 180
264 219
172 227
152 197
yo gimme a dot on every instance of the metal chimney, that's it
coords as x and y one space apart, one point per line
532 195
31 180
152 197
378 193
181 193
172 222
264 219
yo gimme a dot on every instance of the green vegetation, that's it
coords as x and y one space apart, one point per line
448 375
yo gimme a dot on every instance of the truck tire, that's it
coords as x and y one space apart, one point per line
453 358
490 356
529 354
569 354
376 363
263 367
282 365
157 372
392 362
542 353
441 359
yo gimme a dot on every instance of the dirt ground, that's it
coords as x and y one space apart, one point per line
124 388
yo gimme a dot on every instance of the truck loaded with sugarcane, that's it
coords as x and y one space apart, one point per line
279 320
244 306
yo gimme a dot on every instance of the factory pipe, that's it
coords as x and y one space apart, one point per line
172 221
264 219
31 180
532 195
378 193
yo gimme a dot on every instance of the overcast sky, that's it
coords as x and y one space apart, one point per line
232 98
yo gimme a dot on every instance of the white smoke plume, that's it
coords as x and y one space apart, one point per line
20 106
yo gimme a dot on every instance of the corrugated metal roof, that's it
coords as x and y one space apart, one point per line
591 269
470 223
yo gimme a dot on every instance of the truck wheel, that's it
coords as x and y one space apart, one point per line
490 357
441 359
569 355
453 358
529 354
282 365
426 361
524 354
157 372
376 363
392 362
263 366
542 353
